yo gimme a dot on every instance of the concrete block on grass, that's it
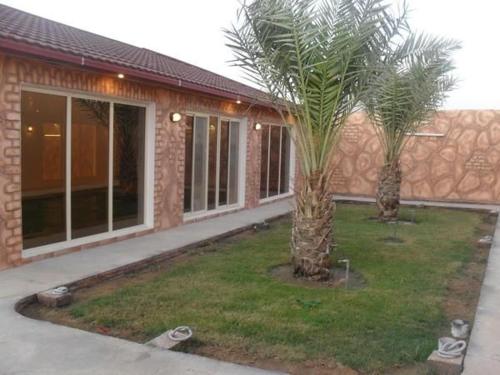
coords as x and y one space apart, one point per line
485 241
445 366
48 298
163 341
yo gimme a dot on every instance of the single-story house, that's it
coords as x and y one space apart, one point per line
102 141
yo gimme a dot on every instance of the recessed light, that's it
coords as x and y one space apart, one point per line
238 101
121 75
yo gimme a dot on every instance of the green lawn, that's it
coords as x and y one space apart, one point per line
232 301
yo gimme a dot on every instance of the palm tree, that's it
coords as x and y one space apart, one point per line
402 98
315 60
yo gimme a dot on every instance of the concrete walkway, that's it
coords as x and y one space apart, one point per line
483 354
36 347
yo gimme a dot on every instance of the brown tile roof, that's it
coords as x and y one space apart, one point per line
19 26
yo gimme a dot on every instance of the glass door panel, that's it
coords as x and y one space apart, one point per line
200 163
212 162
274 161
233 162
89 167
264 161
128 165
223 162
285 161
43 163
188 163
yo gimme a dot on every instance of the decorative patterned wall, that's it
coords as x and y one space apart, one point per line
456 158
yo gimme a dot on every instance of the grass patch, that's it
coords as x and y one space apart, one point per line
235 305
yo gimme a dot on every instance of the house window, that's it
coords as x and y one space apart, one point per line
212 150
275 161
83 167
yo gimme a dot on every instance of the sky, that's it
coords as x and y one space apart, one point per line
192 31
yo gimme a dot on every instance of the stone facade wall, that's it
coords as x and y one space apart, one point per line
169 148
458 159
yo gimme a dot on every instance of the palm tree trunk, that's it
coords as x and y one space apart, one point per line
388 191
312 232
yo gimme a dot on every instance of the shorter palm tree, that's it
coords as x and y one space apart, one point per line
402 98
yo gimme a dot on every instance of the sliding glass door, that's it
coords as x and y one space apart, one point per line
212 163
83 167
275 161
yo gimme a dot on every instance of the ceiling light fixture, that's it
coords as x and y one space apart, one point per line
121 75
258 126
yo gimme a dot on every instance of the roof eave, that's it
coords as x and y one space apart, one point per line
82 61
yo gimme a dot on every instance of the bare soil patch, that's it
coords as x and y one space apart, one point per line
284 273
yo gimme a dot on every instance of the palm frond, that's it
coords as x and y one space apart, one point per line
408 86
316 58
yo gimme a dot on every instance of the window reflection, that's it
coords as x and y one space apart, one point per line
46 152
285 161
223 162
43 164
128 165
275 161
215 165
212 162
188 158
200 163
233 162
89 167
264 161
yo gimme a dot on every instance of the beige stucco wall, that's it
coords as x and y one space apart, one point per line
461 165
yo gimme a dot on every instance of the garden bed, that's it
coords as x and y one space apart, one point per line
406 293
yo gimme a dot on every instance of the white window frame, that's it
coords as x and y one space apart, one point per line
291 161
242 147
149 178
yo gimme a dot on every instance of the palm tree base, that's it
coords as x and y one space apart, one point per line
312 237
388 192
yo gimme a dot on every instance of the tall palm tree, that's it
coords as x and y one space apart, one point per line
402 97
315 60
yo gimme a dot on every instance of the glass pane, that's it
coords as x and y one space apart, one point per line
200 163
264 161
212 162
188 163
274 161
285 161
233 161
89 167
43 164
223 161
128 165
